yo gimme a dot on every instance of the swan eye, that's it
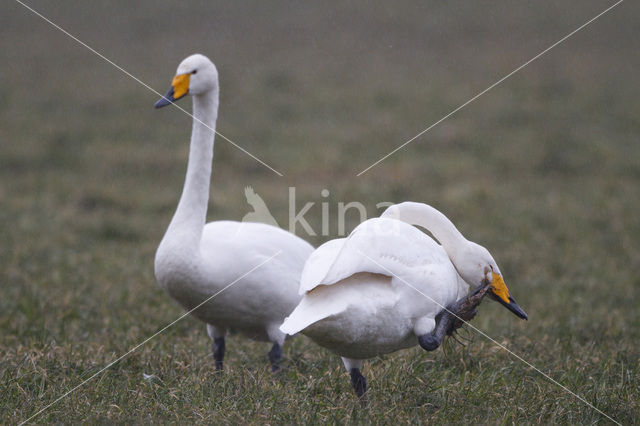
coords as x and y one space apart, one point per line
194 71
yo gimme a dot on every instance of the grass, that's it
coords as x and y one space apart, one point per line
544 170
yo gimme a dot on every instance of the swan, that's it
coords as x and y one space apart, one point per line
253 269
381 288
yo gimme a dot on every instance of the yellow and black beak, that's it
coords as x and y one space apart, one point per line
179 88
500 293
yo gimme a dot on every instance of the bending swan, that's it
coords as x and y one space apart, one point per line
252 269
381 288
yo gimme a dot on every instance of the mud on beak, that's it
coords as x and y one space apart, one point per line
500 293
179 89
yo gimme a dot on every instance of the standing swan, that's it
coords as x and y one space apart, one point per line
381 288
252 268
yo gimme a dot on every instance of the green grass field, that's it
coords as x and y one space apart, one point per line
544 170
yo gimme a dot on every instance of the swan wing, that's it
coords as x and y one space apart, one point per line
319 263
371 294
313 308
260 238
239 247
380 246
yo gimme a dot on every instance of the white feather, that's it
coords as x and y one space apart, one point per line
260 264
374 291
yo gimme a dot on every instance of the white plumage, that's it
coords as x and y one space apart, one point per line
260 263
381 288
359 283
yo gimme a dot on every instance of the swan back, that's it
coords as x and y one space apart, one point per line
381 246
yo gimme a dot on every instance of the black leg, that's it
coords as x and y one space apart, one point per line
429 342
275 356
218 351
451 319
444 324
359 382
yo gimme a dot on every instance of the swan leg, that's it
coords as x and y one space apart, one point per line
447 322
358 381
218 351
432 341
218 346
275 356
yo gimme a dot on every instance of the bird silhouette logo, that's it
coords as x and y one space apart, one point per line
260 213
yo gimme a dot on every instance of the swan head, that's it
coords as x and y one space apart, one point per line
196 75
478 268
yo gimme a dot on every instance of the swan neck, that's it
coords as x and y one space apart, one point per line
432 220
190 216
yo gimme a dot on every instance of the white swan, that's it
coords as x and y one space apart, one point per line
382 288
195 261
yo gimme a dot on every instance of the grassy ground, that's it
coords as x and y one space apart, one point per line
544 170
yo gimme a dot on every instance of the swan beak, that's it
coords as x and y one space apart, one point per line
179 89
500 293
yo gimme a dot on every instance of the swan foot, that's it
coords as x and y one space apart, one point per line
429 342
359 383
452 318
444 326
275 356
218 351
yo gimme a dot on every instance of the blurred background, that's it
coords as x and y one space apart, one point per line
543 170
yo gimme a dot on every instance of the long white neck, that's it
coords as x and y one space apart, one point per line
432 220
190 216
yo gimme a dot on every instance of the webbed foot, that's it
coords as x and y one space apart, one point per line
429 342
